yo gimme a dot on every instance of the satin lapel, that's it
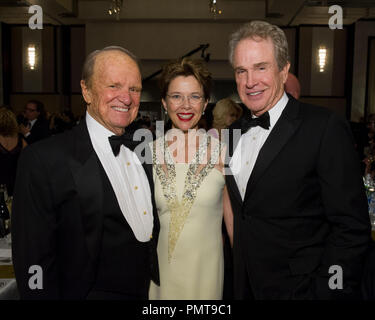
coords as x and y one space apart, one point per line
281 133
232 185
86 173
235 133
232 143
147 166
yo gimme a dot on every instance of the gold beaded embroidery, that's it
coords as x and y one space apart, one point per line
194 177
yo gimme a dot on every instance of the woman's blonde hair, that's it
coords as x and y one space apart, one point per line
222 108
8 123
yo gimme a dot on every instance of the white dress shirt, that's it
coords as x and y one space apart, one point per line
128 180
249 145
32 122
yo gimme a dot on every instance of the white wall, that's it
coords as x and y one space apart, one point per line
156 43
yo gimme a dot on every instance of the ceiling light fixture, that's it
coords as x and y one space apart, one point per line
214 8
115 8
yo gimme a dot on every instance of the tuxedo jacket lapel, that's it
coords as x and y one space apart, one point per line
232 143
281 133
235 132
86 173
232 185
147 166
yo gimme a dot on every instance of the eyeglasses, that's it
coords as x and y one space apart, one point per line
178 99
31 110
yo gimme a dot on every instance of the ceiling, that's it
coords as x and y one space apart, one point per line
282 13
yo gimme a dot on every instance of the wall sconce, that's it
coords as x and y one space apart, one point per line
322 58
31 56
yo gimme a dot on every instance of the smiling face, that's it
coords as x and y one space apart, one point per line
185 116
260 84
114 94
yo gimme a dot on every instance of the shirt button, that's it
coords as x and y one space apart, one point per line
128 163
247 162
135 188
144 212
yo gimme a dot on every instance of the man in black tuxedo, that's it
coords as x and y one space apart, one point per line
36 127
301 226
84 225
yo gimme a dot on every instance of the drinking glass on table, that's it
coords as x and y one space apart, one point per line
4 211
370 192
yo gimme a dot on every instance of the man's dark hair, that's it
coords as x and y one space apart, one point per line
39 107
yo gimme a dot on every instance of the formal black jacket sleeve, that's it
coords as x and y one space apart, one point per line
345 204
34 226
39 131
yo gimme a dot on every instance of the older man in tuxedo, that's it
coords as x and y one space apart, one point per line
301 226
84 224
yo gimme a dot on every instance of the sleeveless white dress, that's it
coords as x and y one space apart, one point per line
190 247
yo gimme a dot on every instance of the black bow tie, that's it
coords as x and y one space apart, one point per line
263 121
126 139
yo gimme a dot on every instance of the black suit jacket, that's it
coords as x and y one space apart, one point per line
304 210
39 131
57 216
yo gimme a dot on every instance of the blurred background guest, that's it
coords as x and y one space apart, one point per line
225 112
369 147
34 126
143 122
203 123
62 121
11 144
292 86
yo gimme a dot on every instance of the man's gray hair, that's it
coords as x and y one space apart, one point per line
88 66
263 30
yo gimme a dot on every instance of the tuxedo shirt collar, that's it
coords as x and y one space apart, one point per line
99 133
276 111
32 122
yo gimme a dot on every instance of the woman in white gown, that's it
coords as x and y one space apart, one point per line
190 190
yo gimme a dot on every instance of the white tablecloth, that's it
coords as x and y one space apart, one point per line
8 286
8 289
